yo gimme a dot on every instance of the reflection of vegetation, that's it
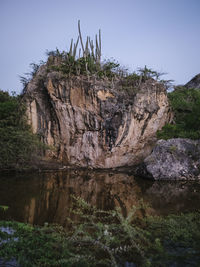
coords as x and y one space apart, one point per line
4 208
18 145
186 106
104 238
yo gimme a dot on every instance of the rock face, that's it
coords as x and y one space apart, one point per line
97 123
194 83
173 159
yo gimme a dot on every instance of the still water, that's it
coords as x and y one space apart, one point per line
37 198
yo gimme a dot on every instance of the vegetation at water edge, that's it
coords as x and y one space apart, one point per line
104 238
19 146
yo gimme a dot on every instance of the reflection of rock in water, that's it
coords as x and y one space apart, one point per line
46 197
173 196
104 190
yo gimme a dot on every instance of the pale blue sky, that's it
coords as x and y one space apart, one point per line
162 34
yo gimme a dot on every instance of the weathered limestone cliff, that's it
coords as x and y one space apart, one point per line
97 123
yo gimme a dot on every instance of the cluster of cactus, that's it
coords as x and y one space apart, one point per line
89 50
85 60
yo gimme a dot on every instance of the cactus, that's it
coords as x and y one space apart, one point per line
88 49
87 52
92 48
96 56
71 47
75 48
86 60
79 55
79 30
99 52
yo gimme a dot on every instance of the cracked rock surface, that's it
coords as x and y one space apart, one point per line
96 123
173 159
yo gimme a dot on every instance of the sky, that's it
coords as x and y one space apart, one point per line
162 34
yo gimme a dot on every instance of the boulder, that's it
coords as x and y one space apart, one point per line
173 159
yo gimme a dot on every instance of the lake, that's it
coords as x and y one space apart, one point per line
42 197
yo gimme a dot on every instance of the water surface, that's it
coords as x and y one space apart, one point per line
37 198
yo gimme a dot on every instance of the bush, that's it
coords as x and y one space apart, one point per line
104 238
186 107
94 238
18 146
83 66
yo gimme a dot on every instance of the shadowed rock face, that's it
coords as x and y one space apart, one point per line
194 83
93 122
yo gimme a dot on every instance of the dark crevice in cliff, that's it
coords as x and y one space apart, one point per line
127 122
51 116
146 123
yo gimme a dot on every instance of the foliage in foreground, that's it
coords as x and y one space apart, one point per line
186 107
99 238
175 239
94 238
19 146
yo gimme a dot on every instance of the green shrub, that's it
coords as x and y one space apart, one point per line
18 146
175 239
84 66
186 107
104 238
94 238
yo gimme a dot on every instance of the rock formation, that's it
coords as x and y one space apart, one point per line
194 82
95 122
173 159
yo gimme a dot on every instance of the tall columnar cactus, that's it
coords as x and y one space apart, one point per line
99 46
92 48
75 48
89 49
79 30
80 57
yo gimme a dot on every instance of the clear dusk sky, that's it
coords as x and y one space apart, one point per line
162 34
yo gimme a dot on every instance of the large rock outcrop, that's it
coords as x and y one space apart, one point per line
173 159
97 123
